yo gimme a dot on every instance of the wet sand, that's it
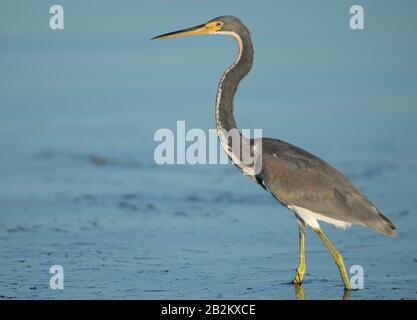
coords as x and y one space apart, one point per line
205 238
79 186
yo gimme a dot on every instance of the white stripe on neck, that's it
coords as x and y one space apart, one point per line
221 132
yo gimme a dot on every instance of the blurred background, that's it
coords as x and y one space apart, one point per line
79 186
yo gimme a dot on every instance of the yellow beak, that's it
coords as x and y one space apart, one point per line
206 28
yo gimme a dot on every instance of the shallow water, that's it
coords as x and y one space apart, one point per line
141 235
79 186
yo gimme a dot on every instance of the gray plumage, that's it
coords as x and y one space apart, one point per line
307 185
297 177
293 175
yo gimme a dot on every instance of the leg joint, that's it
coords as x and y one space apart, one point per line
338 256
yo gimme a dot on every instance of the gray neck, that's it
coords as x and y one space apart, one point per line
230 81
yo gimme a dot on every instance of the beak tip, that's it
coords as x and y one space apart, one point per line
160 37
200 29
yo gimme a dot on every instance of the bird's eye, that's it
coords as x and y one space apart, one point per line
218 24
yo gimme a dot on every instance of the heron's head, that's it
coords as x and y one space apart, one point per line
219 25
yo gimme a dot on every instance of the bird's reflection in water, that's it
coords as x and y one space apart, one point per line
346 294
300 295
299 291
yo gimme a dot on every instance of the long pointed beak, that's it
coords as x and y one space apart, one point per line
206 28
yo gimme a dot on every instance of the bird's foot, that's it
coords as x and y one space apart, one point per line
299 275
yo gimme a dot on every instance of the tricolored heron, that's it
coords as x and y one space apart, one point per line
305 184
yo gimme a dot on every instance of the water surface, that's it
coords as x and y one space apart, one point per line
79 186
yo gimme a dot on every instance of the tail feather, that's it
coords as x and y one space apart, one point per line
384 225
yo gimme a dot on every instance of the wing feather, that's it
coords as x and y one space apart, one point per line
297 177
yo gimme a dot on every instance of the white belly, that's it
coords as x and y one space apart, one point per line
311 218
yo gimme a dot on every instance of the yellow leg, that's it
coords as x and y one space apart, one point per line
336 256
301 270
